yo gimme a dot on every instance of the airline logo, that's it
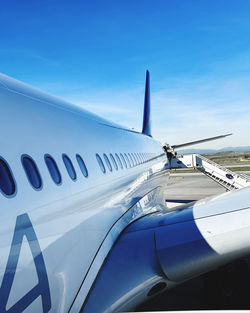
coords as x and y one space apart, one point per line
24 228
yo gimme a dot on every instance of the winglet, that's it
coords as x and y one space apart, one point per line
146 128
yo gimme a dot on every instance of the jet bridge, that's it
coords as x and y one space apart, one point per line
220 174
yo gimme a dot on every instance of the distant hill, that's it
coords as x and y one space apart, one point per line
212 151
245 148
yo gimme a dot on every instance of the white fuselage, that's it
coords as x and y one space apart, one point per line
76 222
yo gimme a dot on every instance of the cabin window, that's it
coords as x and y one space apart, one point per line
118 160
142 157
69 167
131 160
82 165
107 162
127 159
135 159
99 160
123 160
53 169
113 161
7 184
139 158
32 172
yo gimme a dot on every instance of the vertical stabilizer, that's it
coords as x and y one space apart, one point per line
146 128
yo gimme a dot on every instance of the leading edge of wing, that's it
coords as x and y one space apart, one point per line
165 248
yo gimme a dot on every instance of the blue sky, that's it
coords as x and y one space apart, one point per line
95 53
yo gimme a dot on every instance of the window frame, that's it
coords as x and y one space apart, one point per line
106 159
113 161
65 156
78 156
12 177
100 163
56 166
128 160
23 156
125 165
119 160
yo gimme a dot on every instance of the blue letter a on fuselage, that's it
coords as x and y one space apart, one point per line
24 228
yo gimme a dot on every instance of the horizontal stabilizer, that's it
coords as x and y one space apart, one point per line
198 141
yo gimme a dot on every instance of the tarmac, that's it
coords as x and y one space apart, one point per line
184 187
227 288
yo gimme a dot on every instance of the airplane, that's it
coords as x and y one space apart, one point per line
84 225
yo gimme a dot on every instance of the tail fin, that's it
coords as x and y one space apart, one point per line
146 128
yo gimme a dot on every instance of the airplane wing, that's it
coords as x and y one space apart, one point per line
164 248
198 141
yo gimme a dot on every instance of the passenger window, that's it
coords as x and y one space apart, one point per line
7 184
139 157
107 162
82 165
123 160
130 159
135 158
118 160
69 167
32 172
127 159
53 169
113 161
99 160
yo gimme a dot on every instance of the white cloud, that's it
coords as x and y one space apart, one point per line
191 109
211 109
